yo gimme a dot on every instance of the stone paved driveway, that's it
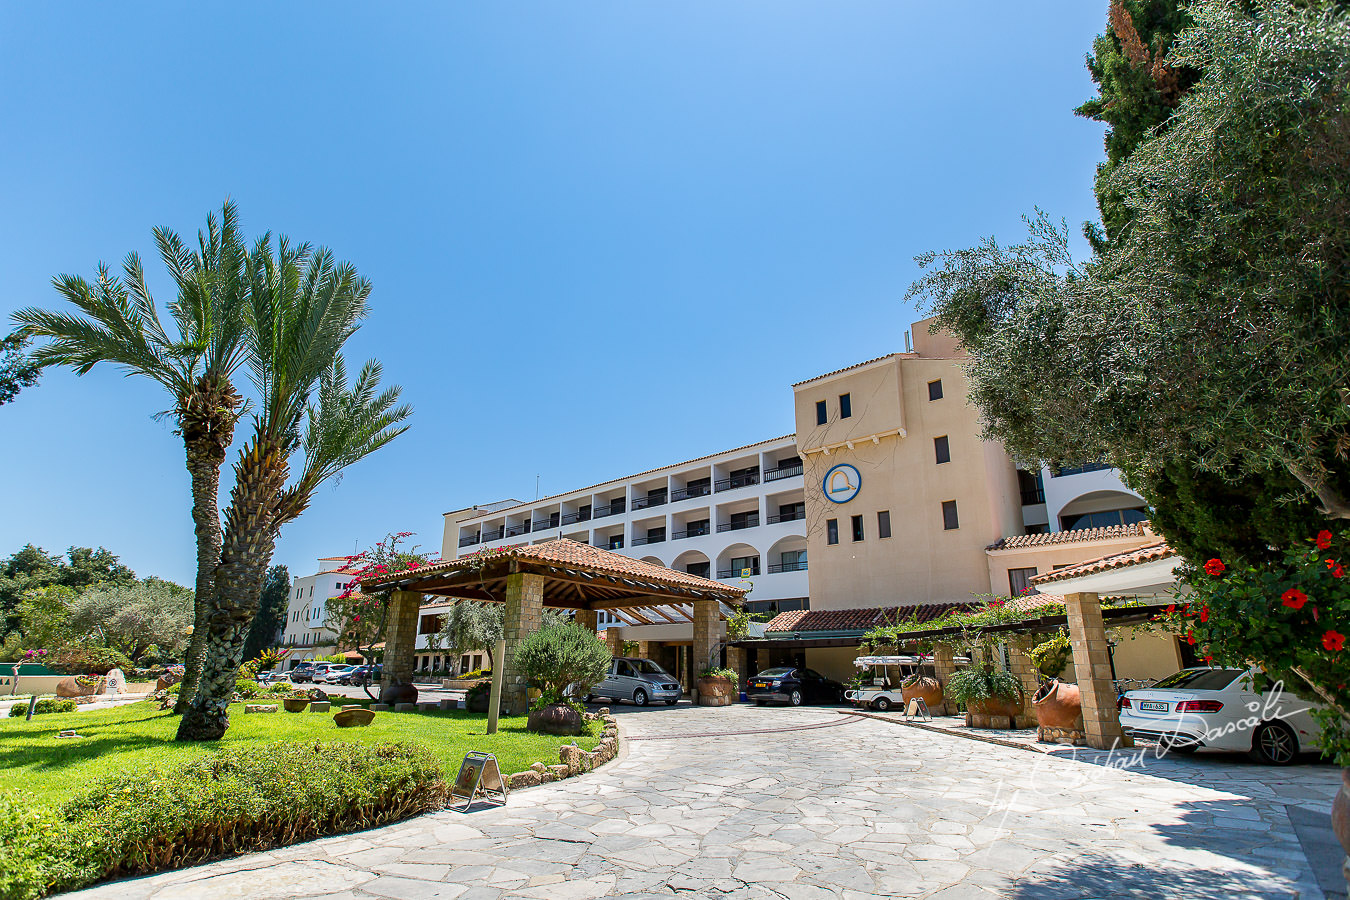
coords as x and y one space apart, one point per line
842 807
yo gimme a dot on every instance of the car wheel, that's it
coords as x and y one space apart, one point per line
795 698
883 703
639 697
589 698
1275 744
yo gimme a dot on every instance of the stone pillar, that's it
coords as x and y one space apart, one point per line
1092 663
944 667
1019 663
706 616
644 649
400 638
524 611
587 618
614 638
736 662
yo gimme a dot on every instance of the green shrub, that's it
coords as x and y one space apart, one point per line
477 673
247 688
560 655
45 705
976 683
1052 657
729 674
235 801
86 660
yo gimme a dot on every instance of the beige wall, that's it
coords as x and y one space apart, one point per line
833 662
1140 653
1045 557
921 562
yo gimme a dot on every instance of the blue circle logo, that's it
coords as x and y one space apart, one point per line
841 483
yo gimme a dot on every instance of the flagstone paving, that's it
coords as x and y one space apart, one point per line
841 807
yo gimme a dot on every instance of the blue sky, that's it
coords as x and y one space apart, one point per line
603 236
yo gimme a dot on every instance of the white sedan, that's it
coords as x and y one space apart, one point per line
1218 709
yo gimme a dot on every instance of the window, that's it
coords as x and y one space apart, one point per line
1019 581
943 449
935 390
884 523
845 406
792 560
741 564
744 520
615 542
857 528
1103 519
949 520
821 415
311 590
832 531
701 569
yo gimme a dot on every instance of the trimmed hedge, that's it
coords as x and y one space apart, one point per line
235 801
45 705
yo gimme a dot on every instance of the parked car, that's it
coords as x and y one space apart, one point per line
335 674
302 672
1218 708
362 675
793 685
270 676
638 680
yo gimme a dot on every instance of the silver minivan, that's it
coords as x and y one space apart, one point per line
639 680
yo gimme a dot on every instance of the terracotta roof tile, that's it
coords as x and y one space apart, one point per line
859 619
1147 553
1077 536
866 362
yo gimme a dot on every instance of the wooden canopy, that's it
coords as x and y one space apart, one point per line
576 576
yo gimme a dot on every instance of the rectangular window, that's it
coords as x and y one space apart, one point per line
884 523
701 569
615 542
935 390
845 406
942 447
743 564
832 531
821 415
949 519
857 528
1019 581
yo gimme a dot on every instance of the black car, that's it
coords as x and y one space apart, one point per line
793 686
362 675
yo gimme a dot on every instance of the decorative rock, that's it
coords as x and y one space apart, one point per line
558 772
447 703
353 717
570 756
528 778
405 707
604 713
260 708
538 767
318 706
427 705
379 707
555 719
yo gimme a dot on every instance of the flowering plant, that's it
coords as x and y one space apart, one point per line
1289 618
32 655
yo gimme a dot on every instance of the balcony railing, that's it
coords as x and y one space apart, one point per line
615 508
573 518
787 517
798 566
692 532
690 491
783 472
644 502
517 530
650 539
752 522
1079 470
469 541
1032 496
615 544
736 573
493 534
738 481
545 524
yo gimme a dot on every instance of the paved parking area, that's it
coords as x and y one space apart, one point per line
727 803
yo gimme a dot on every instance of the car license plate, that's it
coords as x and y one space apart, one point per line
1152 706
759 684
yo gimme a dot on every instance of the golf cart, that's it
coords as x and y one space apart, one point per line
878 691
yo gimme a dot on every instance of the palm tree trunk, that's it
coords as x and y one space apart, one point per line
246 551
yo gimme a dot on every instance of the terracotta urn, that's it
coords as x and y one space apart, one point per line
1340 819
69 687
715 691
557 718
997 706
295 704
398 692
924 688
353 717
1058 705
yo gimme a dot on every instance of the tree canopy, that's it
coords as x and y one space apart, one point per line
32 568
271 618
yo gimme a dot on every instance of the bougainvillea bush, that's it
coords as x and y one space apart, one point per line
1290 617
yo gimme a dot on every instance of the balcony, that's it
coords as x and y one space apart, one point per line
518 530
752 522
692 532
546 524
783 472
798 566
787 517
690 491
1079 470
469 541
1032 496
738 481
573 518
616 508
493 534
652 539
645 502
735 573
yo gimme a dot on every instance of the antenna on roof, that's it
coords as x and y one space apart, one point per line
536 487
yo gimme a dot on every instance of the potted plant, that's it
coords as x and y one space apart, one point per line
716 687
921 687
1057 704
561 661
986 692
296 701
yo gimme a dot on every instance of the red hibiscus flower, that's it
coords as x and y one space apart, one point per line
1324 540
1215 567
1333 641
1172 608
1204 614
1190 637
1209 659
1294 598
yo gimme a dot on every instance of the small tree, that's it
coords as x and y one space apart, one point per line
271 617
557 656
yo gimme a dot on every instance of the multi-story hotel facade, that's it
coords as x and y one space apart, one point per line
305 632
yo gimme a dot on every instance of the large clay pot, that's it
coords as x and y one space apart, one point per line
554 719
165 681
353 717
997 706
1340 819
295 704
69 687
398 692
924 688
1059 705
715 691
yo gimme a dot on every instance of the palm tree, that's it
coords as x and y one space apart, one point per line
303 307
118 323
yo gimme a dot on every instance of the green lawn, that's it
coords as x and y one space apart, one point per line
139 735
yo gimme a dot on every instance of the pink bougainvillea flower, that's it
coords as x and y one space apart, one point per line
1294 598
1324 540
1215 567
1333 641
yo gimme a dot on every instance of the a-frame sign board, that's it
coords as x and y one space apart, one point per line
479 777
